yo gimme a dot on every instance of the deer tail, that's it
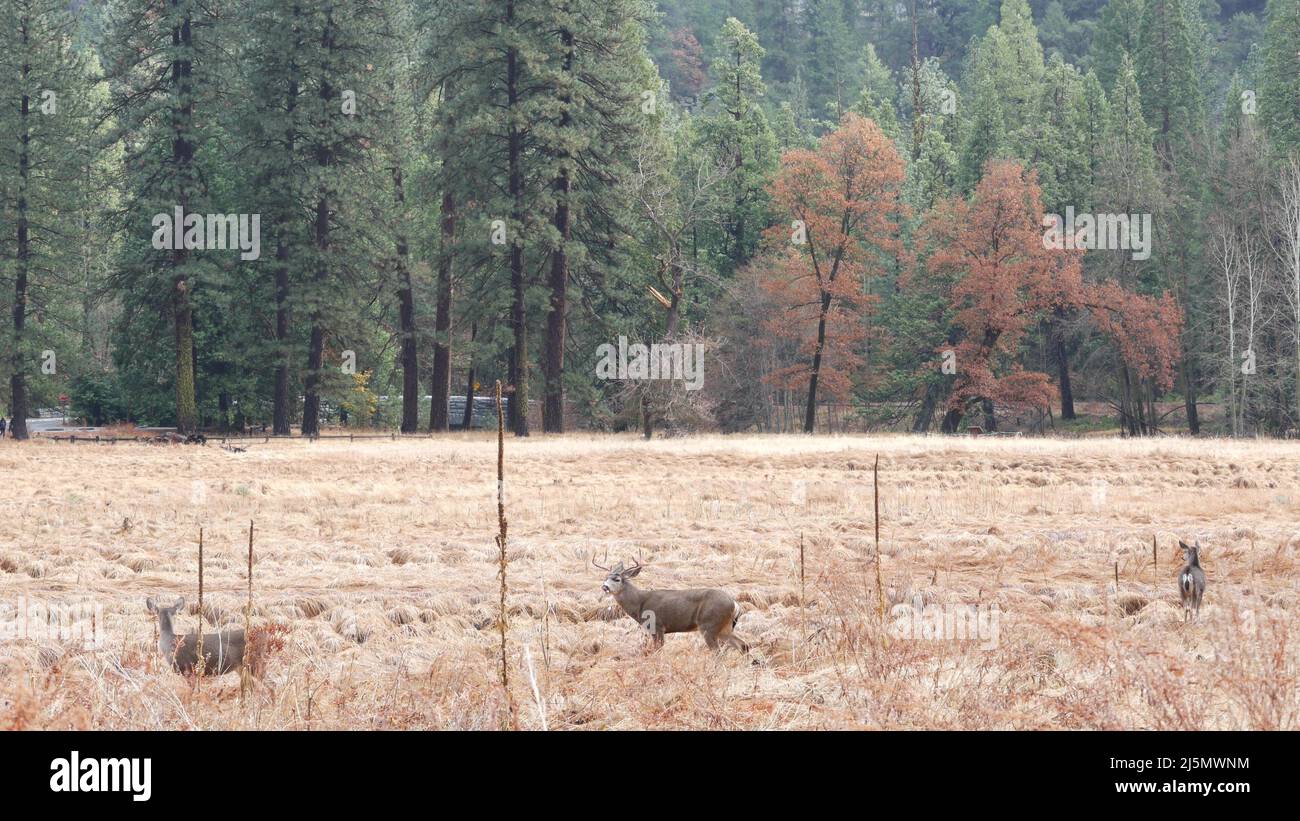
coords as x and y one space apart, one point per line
735 614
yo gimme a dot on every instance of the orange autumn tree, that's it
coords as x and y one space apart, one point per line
842 205
1003 280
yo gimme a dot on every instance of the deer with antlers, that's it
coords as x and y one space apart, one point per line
712 612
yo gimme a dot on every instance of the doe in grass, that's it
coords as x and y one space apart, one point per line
223 652
1191 580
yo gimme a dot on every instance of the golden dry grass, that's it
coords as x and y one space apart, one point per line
379 559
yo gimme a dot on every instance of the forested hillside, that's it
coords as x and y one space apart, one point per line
828 214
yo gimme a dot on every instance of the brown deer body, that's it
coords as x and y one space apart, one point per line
712 612
223 652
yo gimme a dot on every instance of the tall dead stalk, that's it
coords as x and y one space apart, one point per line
501 548
245 676
199 662
803 599
880 586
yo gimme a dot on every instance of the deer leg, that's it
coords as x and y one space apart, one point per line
710 639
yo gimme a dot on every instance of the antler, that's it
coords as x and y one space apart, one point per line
599 566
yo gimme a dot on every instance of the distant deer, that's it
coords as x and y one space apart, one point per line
1191 580
223 652
712 612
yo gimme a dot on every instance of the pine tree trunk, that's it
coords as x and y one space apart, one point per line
553 406
321 233
18 379
316 347
441 390
406 317
467 421
518 413
281 421
1189 400
1188 372
182 159
553 409
311 402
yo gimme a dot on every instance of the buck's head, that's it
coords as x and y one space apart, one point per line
1191 552
616 577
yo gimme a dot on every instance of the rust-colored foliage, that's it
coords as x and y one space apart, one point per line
1003 279
842 209
688 63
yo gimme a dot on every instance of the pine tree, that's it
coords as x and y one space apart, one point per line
1063 173
343 107
603 94
46 142
1015 58
738 131
162 71
833 67
1170 67
448 219
495 59
1087 124
1003 85
401 102
1169 70
274 131
1279 99
985 133
1128 182
1117 35
1057 151
876 102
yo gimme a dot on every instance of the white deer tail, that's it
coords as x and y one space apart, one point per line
735 613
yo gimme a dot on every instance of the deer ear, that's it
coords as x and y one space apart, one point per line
1184 545
149 605
180 602
636 571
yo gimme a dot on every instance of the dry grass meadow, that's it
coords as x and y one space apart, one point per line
378 563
